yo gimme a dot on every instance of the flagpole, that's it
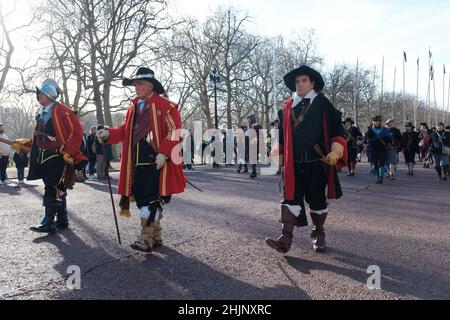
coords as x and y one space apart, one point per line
355 93
435 100
382 88
393 95
428 106
448 99
416 102
443 96
372 107
404 85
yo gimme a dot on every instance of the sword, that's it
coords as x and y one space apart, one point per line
194 186
10 143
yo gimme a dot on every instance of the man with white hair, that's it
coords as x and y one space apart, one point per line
150 168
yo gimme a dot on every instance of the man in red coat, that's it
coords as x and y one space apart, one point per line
312 143
55 155
151 169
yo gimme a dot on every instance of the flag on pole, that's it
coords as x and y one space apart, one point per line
417 62
444 69
404 54
432 72
429 52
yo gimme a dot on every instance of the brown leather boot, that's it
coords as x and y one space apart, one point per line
145 239
318 231
283 244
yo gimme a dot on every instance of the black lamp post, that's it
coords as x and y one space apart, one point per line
215 80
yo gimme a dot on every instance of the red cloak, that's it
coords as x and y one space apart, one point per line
165 134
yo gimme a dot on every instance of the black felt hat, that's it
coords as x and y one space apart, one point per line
349 120
377 118
289 79
145 74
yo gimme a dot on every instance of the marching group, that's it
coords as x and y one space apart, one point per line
313 146
384 143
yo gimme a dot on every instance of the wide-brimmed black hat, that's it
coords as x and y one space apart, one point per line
377 118
409 125
145 74
315 76
349 120
252 118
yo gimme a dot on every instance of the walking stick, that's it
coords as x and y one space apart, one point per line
110 192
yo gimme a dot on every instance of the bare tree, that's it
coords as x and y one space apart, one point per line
19 118
226 29
6 44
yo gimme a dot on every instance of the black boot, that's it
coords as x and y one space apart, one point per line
239 169
378 176
245 168
284 242
62 221
446 170
47 225
253 175
318 231
439 172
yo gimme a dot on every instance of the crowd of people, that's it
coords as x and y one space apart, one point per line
384 143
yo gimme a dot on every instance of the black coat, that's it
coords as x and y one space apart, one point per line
410 142
438 142
352 137
396 137
91 147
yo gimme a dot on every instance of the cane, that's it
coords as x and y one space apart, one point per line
110 192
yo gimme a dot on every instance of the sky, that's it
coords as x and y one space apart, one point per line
351 30
347 31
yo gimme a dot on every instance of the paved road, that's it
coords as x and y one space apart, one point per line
215 249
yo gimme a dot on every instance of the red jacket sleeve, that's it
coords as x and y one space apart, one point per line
116 135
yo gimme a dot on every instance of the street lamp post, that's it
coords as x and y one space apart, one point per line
215 80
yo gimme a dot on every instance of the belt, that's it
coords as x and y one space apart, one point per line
307 158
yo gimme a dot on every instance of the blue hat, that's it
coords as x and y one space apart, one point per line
49 89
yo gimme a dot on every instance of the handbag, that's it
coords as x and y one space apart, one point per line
445 149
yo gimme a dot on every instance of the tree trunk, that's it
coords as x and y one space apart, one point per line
205 105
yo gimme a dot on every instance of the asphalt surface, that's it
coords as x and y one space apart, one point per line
215 248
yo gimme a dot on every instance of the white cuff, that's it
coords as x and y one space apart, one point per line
144 213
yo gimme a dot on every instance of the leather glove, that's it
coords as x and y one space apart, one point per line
337 153
102 135
160 161
18 143
68 158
